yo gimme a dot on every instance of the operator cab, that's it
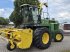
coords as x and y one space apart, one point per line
30 14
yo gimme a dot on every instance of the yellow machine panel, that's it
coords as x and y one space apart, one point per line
24 38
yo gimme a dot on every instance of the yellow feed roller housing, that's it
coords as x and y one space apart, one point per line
23 38
4 32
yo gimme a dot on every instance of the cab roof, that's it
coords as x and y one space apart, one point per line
27 5
24 5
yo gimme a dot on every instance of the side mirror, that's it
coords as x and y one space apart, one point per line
39 18
47 18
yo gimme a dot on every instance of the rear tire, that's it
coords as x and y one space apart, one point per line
38 34
59 36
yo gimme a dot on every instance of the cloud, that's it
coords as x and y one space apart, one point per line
59 9
43 1
5 12
13 0
64 14
1 12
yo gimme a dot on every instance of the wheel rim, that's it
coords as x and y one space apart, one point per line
58 36
45 38
12 46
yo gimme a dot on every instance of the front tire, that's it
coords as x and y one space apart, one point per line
9 46
42 38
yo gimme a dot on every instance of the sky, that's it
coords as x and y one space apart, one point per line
6 8
58 9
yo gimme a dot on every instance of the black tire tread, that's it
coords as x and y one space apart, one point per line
59 32
37 42
8 47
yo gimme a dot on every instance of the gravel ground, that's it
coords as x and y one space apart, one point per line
55 46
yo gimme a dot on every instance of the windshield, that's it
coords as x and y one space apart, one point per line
35 14
30 15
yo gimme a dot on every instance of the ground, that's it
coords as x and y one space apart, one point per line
63 46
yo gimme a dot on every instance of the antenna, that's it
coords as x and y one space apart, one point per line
46 4
48 11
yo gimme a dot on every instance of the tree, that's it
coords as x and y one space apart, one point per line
4 21
7 21
15 16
